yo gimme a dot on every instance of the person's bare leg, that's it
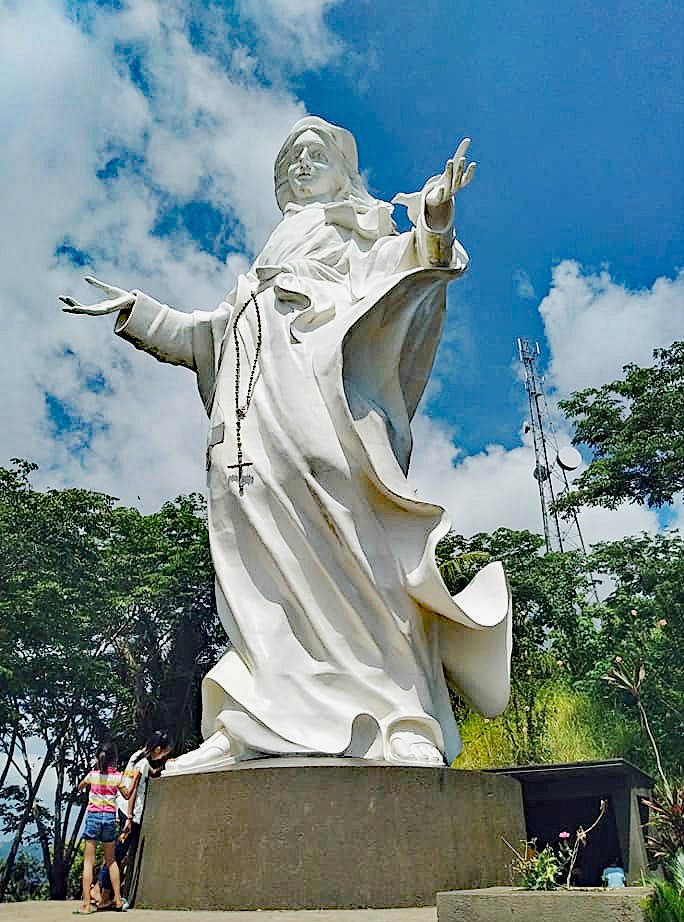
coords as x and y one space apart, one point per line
105 899
88 865
113 872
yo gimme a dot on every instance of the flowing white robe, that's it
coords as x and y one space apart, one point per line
341 628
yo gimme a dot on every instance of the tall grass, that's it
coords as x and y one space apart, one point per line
577 727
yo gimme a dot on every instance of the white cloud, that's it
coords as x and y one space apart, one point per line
203 129
594 326
496 489
292 30
481 492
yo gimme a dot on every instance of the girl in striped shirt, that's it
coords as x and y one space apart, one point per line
105 781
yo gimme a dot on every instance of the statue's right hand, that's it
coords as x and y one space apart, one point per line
119 299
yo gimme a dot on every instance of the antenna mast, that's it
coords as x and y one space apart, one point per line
551 462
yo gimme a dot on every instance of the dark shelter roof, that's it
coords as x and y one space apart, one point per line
567 771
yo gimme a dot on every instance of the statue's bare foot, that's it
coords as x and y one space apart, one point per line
217 752
411 748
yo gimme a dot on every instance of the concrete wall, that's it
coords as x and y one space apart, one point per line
315 833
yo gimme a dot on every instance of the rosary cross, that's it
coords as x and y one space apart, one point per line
241 465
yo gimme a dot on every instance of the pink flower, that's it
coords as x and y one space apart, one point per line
563 835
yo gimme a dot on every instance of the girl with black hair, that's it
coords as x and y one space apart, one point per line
105 782
147 762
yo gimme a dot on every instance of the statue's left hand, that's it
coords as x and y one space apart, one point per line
456 176
119 299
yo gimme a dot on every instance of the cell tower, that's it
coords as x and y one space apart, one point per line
552 464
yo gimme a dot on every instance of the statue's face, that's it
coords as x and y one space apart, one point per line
314 170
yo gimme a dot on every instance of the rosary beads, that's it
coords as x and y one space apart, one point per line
241 409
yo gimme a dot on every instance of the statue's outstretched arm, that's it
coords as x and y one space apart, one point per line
432 212
119 299
153 327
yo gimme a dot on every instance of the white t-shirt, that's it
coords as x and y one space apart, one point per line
143 766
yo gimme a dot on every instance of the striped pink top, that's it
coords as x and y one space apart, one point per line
103 788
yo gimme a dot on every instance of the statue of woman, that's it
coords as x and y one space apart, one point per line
342 633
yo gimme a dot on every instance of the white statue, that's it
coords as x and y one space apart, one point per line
343 635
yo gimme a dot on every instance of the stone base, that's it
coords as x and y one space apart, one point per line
315 833
505 904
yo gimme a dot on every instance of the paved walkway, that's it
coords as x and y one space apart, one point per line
60 912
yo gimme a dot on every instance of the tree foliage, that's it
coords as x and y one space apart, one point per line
27 879
642 618
107 624
550 624
565 641
54 618
635 429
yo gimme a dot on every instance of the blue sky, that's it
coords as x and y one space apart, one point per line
576 112
139 147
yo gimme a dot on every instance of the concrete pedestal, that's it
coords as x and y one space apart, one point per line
323 833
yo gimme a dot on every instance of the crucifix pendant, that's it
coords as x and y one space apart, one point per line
241 479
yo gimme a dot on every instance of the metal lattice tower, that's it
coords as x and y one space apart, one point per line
562 533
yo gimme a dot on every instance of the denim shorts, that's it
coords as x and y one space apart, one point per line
100 826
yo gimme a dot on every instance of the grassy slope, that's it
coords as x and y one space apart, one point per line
577 728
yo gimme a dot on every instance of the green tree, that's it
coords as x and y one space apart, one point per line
553 633
169 634
549 591
566 642
27 880
635 429
108 623
54 672
642 619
